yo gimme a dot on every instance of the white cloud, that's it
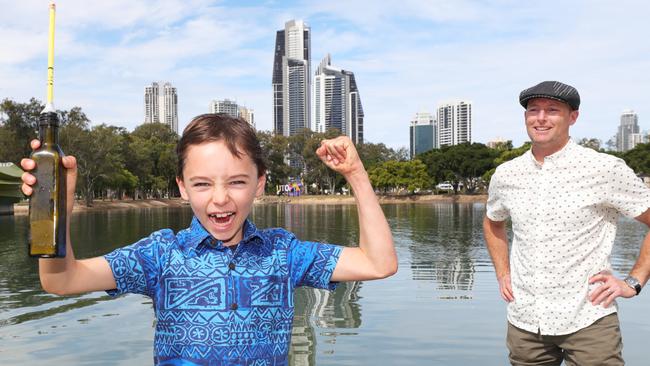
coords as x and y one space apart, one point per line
406 56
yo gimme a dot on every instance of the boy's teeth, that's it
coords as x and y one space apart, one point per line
222 215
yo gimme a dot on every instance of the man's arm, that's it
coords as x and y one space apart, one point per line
65 276
375 257
497 244
613 287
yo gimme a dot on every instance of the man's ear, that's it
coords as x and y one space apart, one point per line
181 188
574 116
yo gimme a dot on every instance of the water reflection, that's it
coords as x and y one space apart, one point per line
336 224
333 312
424 315
18 272
319 309
441 242
93 234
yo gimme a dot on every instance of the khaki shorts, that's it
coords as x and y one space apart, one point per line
597 344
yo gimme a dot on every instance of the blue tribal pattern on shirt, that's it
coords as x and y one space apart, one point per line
216 306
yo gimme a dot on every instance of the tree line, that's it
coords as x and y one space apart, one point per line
116 163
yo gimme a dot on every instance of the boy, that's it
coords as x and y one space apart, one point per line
222 289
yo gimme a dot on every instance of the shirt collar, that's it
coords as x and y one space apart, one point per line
556 156
197 234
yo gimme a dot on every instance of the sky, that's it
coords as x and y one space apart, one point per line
407 56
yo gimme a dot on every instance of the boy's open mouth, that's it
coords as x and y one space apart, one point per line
221 218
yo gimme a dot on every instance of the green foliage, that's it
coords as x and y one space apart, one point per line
123 182
151 151
142 164
375 154
503 145
504 156
276 149
110 159
400 175
639 159
18 126
592 143
315 173
464 163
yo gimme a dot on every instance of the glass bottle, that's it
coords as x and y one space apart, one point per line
47 204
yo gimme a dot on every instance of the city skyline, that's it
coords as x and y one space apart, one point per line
106 52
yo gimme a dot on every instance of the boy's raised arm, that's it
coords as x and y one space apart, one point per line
375 257
65 276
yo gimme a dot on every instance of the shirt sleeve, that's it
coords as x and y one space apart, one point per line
495 207
627 193
312 264
135 267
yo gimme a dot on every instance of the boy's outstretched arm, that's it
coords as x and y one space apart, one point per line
375 257
65 276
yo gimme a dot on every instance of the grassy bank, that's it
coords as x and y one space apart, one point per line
99 205
334 200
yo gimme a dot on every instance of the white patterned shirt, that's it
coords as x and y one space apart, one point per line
564 214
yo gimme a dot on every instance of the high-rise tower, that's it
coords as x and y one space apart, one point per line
161 105
629 133
422 133
226 106
337 103
291 78
454 123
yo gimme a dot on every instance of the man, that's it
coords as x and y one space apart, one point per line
564 201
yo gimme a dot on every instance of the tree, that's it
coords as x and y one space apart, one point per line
503 145
463 163
297 144
98 158
639 159
503 157
400 175
123 182
315 172
592 143
374 154
18 126
275 148
151 153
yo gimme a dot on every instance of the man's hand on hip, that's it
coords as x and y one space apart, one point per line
610 288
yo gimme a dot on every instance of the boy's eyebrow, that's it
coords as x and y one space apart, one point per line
200 177
239 176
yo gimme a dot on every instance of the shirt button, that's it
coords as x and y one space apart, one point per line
233 306
232 266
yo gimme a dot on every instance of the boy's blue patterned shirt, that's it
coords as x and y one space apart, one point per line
218 307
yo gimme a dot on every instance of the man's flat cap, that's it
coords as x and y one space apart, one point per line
551 90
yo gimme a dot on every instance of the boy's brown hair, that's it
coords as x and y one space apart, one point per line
237 134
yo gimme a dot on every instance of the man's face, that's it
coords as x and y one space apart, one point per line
221 189
548 122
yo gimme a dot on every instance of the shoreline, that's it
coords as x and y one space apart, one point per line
21 209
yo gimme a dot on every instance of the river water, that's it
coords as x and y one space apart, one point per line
441 308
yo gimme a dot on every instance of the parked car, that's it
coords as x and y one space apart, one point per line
444 186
